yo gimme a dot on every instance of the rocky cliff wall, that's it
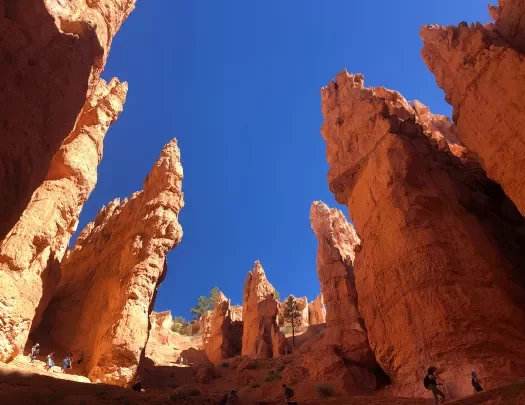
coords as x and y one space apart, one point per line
109 279
317 311
481 70
438 273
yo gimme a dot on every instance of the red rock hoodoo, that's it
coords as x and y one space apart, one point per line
261 337
56 111
109 278
338 243
224 336
317 311
481 70
438 269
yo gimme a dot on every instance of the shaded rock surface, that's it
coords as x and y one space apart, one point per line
31 251
317 311
224 336
52 55
337 246
482 76
438 273
261 337
109 279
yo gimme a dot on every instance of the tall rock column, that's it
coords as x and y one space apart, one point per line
317 311
261 337
224 338
338 243
31 251
439 270
482 76
109 278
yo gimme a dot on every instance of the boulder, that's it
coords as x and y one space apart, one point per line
482 77
337 246
317 311
109 279
161 321
261 337
224 335
438 272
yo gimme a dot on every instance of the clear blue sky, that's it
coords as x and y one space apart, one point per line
237 82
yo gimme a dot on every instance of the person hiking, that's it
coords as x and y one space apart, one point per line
475 382
430 383
50 362
66 363
81 359
288 395
34 352
137 386
229 398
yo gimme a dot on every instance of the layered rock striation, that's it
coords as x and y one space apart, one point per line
317 311
261 337
481 70
224 337
109 278
337 246
438 271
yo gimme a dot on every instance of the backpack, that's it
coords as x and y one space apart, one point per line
428 381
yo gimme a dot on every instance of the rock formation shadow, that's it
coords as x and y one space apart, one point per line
44 82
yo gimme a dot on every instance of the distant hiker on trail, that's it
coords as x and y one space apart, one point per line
229 399
431 384
66 363
475 382
34 352
50 362
288 395
137 386
81 359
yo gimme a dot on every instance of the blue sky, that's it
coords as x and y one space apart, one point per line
237 83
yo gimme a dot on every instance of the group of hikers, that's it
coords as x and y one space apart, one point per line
50 361
431 383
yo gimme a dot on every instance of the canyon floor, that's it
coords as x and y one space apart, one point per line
199 382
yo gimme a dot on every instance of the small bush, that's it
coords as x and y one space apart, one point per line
273 376
325 390
192 392
255 385
225 364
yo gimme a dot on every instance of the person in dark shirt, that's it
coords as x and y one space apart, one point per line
288 395
431 384
475 382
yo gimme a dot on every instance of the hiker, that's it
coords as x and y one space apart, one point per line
50 362
229 399
34 352
475 382
431 384
81 359
288 395
66 363
137 386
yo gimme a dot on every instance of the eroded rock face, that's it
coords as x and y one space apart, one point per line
317 311
224 338
482 76
338 243
509 19
438 273
31 251
161 321
109 279
261 337
52 55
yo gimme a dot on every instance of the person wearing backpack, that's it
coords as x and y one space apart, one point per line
475 382
430 383
288 395
34 352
